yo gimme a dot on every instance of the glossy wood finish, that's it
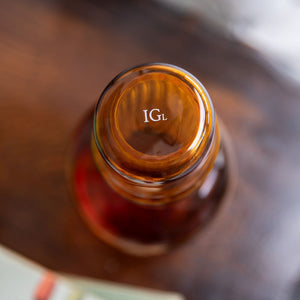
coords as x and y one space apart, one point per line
56 57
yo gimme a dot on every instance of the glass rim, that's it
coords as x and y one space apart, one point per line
172 69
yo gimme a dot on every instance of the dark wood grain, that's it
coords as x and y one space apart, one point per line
55 59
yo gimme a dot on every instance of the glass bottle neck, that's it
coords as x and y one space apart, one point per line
157 193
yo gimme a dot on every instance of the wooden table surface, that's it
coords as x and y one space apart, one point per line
55 59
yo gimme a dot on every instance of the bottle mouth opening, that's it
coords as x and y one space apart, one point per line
153 123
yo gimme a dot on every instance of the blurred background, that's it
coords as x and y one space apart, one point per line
56 56
271 27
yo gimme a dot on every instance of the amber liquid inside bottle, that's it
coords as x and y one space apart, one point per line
151 166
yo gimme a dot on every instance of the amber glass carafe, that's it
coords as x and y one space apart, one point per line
150 165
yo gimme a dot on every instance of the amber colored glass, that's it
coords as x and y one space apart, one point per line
151 166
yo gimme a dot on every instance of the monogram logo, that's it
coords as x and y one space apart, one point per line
155 117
